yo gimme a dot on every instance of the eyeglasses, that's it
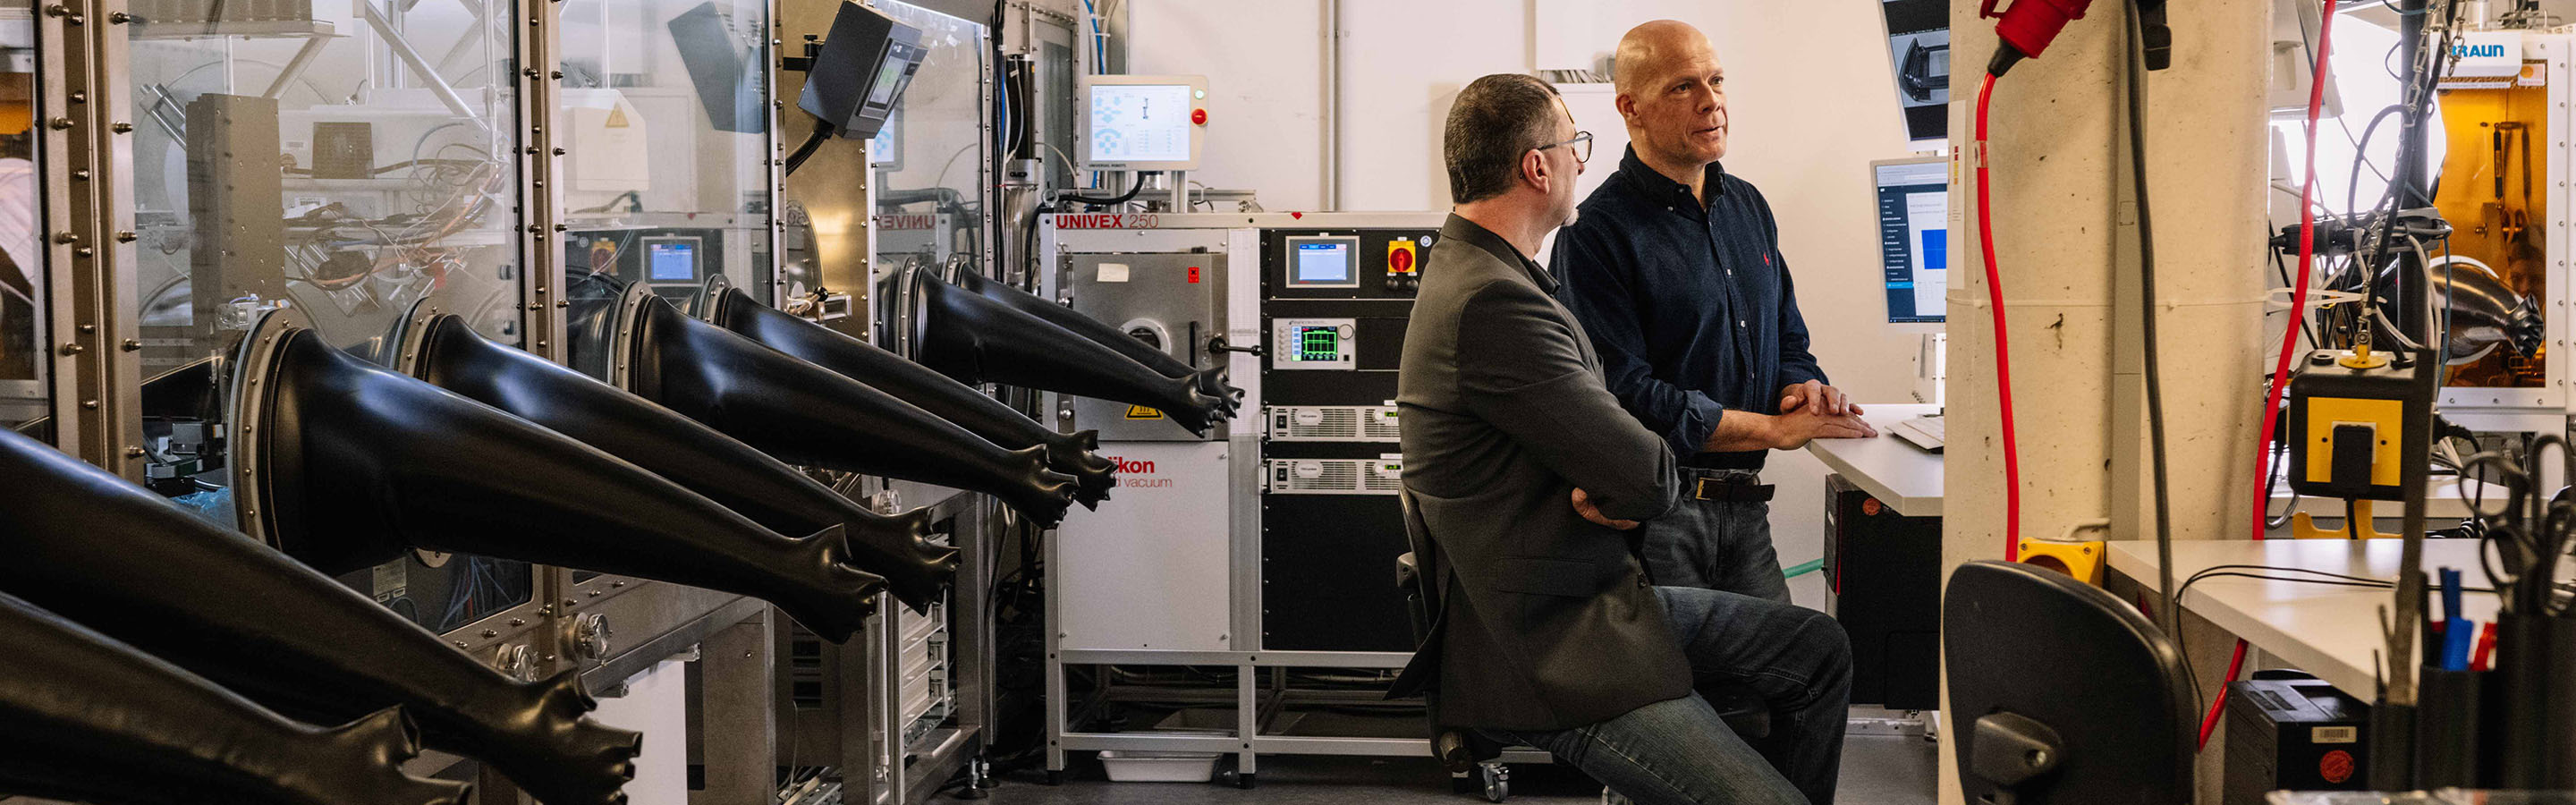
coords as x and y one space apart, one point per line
1582 143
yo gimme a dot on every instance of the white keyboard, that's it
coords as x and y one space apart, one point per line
1924 431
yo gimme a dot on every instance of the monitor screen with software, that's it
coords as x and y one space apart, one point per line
1914 238
1133 122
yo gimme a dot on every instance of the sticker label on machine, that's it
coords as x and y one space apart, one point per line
1137 473
1313 344
391 580
1383 475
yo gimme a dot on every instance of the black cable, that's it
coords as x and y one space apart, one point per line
2416 95
1029 239
2147 306
2360 157
822 132
2236 571
1135 185
2271 482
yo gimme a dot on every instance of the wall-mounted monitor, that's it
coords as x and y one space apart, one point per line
1141 122
859 78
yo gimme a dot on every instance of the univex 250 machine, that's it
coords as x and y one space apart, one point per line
1268 548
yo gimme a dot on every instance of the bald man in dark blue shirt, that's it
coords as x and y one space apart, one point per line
1674 268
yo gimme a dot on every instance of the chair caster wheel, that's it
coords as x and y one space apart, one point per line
1498 781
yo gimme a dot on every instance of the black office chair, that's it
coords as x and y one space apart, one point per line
1462 750
2064 693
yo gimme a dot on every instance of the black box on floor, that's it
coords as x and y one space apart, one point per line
1885 571
2295 734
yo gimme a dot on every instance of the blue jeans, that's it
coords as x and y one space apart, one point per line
1678 752
1714 544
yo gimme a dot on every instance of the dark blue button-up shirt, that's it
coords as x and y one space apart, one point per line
1690 305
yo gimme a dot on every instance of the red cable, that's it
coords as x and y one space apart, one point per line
2280 380
2219 708
2003 347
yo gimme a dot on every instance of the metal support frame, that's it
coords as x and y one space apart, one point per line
876 758
420 66
539 52
295 67
88 150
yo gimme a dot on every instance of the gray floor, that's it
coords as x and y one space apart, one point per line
1877 770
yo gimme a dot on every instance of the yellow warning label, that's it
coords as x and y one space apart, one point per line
617 119
1142 412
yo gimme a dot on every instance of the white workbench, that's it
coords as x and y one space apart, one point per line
2325 630
1905 477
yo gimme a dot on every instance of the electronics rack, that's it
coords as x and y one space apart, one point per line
1334 307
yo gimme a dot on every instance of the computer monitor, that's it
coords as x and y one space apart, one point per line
671 260
1142 122
1324 262
1914 240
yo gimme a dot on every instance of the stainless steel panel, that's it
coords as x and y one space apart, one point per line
736 723
1162 538
649 625
1172 301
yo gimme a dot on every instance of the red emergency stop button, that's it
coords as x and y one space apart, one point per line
1401 261
1198 116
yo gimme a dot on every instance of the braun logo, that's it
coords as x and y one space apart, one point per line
2477 51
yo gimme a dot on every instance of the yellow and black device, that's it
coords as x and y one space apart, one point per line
2359 430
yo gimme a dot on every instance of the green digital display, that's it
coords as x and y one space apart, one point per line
1319 344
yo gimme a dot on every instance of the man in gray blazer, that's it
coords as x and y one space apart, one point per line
1525 473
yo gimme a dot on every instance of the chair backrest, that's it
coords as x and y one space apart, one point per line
2062 693
1426 557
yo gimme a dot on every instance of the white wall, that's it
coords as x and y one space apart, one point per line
656 704
1810 89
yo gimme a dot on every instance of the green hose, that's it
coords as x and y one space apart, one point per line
1794 571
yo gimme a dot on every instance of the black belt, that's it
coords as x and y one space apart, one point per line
1732 490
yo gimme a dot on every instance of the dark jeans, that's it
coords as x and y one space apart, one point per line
1678 752
1714 544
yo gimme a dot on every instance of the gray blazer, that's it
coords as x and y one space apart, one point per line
1546 619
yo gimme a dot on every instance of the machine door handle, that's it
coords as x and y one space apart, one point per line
1220 345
